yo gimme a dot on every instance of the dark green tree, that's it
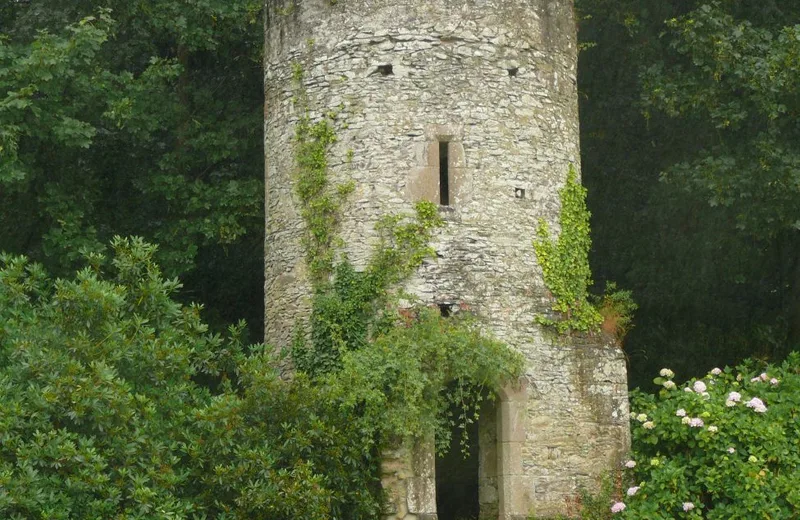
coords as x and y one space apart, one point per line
137 118
688 145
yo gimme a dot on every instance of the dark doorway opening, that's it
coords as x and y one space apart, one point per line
457 475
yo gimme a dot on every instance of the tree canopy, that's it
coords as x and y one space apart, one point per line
137 118
690 155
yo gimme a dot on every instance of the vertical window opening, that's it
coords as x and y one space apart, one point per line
444 173
446 309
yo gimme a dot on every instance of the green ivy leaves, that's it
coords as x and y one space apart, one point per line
565 262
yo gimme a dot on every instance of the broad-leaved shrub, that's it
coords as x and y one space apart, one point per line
725 447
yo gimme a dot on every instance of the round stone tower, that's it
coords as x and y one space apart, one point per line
470 104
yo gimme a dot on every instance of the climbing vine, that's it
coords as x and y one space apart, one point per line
565 266
565 262
351 307
320 202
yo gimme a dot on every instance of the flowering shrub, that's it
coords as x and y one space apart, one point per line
721 447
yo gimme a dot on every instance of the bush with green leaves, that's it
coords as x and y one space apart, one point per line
115 402
726 446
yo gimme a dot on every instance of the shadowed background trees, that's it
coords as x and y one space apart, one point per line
137 118
145 118
690 155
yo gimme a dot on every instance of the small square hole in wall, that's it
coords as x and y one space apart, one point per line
519 193
512 72
446 309
385 70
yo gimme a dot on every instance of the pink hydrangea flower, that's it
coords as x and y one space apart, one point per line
773 381
630 464
696 422
731 450
688 506
632 490
699 387
618 507
755 380
716 371
735 397
764 376
681 412
757 405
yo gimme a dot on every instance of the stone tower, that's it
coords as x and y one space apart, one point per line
471 104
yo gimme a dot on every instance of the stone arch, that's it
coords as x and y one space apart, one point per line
410 480
502 433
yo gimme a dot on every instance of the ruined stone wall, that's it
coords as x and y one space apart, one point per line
496 79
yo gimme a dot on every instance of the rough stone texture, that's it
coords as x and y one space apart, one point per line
452 63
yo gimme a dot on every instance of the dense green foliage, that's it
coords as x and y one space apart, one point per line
136 118
117 401
565 261
103 415
411 376
722 447
688 137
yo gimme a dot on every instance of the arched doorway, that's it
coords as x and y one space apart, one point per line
489 483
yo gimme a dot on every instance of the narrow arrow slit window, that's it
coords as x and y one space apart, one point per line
444 173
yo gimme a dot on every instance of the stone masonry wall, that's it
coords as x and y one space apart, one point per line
496 79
